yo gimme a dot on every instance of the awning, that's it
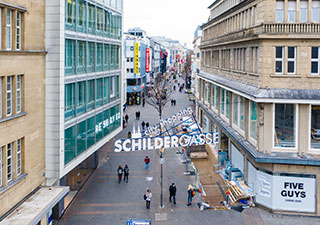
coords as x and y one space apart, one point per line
36 207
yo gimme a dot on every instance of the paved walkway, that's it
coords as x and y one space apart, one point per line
104 201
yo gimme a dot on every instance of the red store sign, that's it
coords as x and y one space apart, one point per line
147 60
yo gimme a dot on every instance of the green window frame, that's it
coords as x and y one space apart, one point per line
91 95
81 97
99 53
70 52
82 16
91 56
70 15
69 144
82 57
91 19
99 93
69 101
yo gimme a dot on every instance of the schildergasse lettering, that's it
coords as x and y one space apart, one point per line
150 143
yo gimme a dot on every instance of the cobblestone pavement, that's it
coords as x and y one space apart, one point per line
103 200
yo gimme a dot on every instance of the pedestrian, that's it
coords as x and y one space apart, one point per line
147 197
120 171
124 123
126 173
143 125
137 115
182 85
129 134
147 125
175 102
126 118
174 87
147 162
178 84
172 191
171 101
191 194
143 102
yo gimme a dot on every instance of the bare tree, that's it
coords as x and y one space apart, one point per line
160 93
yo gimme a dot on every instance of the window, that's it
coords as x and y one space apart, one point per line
91 57
69 144
99 49
225 103
0 28
315 126
0 95
315 10
18 93
9 95
81 101
99 92
107 23
18 46
9 162
112 87
1 150
279 60
99 20
238 112
253 120
9 31
217 96
285 125
70 54
91 19
82 11
315 60
82 56
279 11
213 95
291 11
70 14
91 95
19 148
69 102
291 60
303 11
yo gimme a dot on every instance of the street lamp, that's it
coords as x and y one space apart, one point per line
161 176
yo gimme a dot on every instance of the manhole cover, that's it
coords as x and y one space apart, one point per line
161 216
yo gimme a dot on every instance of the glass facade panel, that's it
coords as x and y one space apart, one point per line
107 23
222 101
253 120
91 131
70 52
106 61
70 14
82 14
217 98
91 19
106 90
106 124
227 104
99 57
69 101
82 93
242 113
91 57
99 127
285 125
99 93
235 112
82 57
69 144
315 126
91 95
81 137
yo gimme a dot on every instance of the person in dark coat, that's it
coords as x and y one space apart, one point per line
129 134
143 125
120 172
137 115
147 125
143 102
126 173
173 191
126 118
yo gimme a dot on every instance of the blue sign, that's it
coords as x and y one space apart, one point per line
138 222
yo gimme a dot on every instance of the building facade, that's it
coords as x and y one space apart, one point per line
259 88
22 114
83 75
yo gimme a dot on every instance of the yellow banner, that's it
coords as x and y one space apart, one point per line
136 58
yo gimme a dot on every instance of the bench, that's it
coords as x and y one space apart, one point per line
198 155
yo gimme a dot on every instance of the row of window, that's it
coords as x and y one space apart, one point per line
292 8
10 95
12 22
84 96
241 59
244 19
219 100
86 57
87 18
11 162
82 136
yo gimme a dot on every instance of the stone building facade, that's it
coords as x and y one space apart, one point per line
259 88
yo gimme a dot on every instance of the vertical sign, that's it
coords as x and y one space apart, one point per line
147 60
136 57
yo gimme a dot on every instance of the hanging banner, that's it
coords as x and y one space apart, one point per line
136 57
174 141
147 60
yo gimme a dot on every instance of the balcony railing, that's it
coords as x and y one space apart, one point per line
290 28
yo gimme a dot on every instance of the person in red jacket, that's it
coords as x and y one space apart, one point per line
147 162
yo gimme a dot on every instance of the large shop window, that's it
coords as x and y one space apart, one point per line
253 120
238 112
285 125
225 103
315 126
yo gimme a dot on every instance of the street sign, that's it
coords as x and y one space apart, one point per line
161 160
138 222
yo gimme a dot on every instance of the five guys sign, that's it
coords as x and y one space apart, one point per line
147 59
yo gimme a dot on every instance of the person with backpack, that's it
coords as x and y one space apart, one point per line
126 173
120 171
172 192
191 194
147 162
147 197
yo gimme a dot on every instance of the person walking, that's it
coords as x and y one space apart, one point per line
126 118
172 192
175 102
191 194
143 125
129 134
148 197
147 162
137 115
143 102
147 125
126 173
120 172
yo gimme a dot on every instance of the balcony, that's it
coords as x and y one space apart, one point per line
291 28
